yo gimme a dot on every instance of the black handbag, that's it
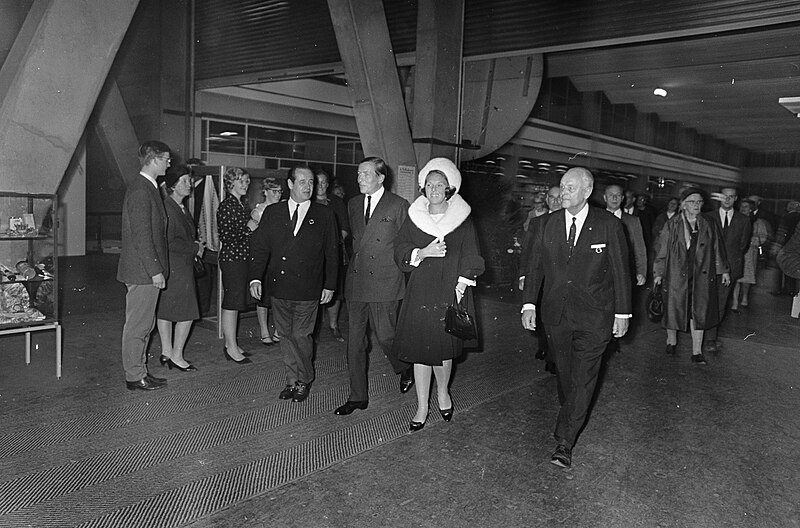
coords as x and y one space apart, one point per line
458 322
655 304
199 267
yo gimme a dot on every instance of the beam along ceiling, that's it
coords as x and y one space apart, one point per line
726 85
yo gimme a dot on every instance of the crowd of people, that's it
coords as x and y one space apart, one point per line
295 255
399 266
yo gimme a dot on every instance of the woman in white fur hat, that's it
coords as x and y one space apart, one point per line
438 246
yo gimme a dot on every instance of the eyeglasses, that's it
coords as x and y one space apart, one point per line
164 158
694 202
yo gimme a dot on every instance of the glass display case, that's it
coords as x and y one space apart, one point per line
29 267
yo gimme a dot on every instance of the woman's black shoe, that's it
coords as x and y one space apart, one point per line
163 359
700 359
447 414
241 361
171 364
416 426
671 350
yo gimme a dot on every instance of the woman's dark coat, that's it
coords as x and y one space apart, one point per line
670 264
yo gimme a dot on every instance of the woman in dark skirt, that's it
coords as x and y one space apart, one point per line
438 246
235 227
178 301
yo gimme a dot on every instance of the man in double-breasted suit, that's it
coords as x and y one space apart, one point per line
735 229
374 284
143 262
579 259
297 244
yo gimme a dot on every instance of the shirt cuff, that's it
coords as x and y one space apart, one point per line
254 281
528 306
468 282
414 260
623 316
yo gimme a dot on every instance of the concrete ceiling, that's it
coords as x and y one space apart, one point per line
726 85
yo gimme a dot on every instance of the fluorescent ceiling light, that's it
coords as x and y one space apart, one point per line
226 134
660 92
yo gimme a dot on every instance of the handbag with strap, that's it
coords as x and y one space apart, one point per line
458 322
199 267
655 304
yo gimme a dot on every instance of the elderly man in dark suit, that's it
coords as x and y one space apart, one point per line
143 262
735 229
374 284
579 258
297 244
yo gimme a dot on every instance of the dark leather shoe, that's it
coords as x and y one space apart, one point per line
157 381
447 414
540 353
670 350
144 384
286 393
415 426
188 368
550 366
350 406
301 391
243 361
562 456
407 380
699 359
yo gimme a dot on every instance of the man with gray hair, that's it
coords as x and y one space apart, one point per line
579 261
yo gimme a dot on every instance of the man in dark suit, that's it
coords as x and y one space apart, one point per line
735 229
374 284
143 262
580 259
297 244
613 197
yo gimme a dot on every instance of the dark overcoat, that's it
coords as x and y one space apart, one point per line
178 301
670 264
420 336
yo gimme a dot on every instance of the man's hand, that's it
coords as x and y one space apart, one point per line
327 295
640 279
656 281
255 290
620 326
529 319
726 279
159 281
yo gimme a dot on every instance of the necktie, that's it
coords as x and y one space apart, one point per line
725 226
571 239
369 206
294 218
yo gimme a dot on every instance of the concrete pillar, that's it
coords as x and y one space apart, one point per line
363 37
49 84
437 85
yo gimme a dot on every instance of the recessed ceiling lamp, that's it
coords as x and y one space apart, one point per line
660 92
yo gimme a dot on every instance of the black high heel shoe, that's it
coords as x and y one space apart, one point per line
447 414
240 362
171 364
415 426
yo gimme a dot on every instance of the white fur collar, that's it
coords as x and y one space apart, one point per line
457 211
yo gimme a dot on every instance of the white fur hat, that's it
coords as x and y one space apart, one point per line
447 167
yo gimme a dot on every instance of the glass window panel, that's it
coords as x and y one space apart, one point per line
226 138
270 142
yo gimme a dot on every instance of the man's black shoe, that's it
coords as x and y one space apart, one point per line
350 406
562 456
407 379
144 384
287 393
153 379
301 391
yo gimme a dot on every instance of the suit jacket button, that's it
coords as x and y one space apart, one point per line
283 272
283 258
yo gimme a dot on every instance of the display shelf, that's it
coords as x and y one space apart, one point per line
29 267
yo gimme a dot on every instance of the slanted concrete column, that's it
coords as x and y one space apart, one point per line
49 83
363 37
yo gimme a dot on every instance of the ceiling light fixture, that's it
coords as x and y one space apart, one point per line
660 92
226 134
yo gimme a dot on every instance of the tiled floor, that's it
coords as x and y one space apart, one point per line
668 443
